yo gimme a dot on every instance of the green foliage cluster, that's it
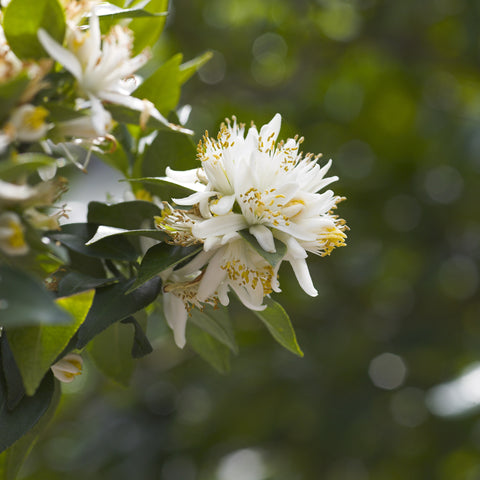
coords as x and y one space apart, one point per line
390 91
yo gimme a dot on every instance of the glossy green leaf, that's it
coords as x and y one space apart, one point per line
187 69
129 215
36 348
160 257
209 348
75 282
271 258
172 149
24 301
217 323
278 323
76 235
161 183
15 423
104 232
163 87
11 459
14 388
110 350
23 19
141 345
111 305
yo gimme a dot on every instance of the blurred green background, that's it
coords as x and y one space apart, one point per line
391 91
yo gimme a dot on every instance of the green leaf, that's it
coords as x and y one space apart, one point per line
104 232
12 459
23 164
271 258
187 69
24 301
161 183
10 93
113 12
209 348
15 390
141 345
23 19
278 323
216 322
75 282
172 149
163 87
111 305
110 350
15 423
160 257
147 30
35 349
128 215
75 236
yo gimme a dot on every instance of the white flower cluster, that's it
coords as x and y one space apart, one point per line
247 183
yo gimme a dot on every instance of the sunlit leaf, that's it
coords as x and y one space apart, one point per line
23 19
148 30
36 348
163 87
187 69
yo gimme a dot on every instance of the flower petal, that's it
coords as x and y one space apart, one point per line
303 276
176 315
264 237
60 54
219 225
223 205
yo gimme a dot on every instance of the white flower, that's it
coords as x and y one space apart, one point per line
68 367
270 189
180 295
28 123
42 194
103 69
12 239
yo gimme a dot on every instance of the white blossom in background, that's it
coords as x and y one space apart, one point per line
103 68
68 367
12 239
252 183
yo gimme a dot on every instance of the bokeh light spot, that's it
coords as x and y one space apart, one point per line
387 371
443 184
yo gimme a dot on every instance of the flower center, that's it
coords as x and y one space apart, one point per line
16 239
